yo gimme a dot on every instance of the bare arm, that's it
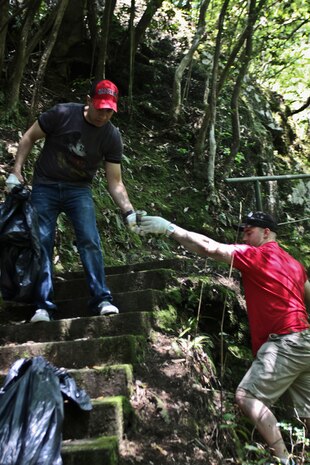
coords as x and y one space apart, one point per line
25 145
116 186
203 245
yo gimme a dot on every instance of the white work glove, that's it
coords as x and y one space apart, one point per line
154 225
11 182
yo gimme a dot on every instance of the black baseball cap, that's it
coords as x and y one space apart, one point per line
260 219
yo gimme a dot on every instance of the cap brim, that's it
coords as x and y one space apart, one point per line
239 227
100 104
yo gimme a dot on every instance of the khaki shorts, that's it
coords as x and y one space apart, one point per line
282 365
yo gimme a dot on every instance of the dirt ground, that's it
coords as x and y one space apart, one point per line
177 409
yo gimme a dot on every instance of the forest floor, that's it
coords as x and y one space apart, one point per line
183 417
178 411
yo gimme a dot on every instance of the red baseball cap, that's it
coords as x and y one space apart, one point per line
104 94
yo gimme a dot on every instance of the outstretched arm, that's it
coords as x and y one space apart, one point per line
203 245
194 242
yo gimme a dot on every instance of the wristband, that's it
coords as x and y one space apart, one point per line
129 212
126 214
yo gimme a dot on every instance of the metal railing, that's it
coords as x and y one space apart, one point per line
257 179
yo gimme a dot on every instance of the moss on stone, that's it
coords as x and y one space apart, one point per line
166 319
99 450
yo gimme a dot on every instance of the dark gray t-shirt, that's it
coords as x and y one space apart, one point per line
74 149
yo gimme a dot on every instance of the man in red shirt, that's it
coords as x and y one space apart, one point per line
277 291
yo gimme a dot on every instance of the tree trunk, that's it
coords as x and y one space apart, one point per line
103 44
92 14
177 86
20 59
237 47
237 88
4 20
202 134
213 99
61 8
210 115
131 55
146 18
42 32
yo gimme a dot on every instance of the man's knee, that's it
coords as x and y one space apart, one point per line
241 397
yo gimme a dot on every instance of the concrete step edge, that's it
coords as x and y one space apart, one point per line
100 451
140 300
110 416
104 380
151 279
174 263
77 328
78 353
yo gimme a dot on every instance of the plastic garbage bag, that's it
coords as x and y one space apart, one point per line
20 250
32 412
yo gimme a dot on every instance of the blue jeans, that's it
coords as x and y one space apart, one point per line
77 203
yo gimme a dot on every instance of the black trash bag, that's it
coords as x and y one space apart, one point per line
71 392
32 412
20 249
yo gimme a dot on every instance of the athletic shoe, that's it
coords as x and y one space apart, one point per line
106 308
40 315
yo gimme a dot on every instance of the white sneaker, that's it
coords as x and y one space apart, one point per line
106 308
40 315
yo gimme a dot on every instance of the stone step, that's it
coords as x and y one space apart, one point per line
95 451
100 381
108 417
105 380
67 288
77 328
79 353
176 264
99 352
136 301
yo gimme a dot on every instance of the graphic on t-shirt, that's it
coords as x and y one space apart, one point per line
75 153
71 156
78 149
74 144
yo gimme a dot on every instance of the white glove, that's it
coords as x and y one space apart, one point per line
133 220
154 225
11 182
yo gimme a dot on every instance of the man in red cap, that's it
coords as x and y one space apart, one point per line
277 291
78 140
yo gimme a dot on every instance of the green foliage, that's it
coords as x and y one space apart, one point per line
248 452
166 319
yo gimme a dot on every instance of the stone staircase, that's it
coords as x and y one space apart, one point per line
100 352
